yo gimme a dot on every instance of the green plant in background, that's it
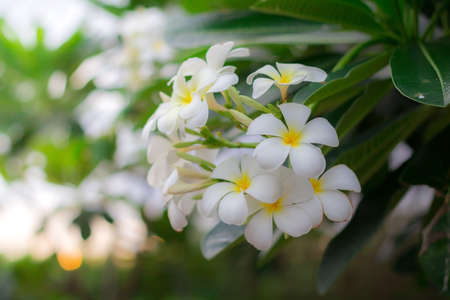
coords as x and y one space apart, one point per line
412 38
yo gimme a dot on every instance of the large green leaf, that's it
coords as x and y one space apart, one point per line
219 238
363 105
421 72
254 28
352 14
368 156
374 207
336 82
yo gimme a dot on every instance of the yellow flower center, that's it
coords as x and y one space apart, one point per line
242 183
285 78
316 185
292 138
187 98
273 207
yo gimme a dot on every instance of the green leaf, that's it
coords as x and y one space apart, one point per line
315 93
222 236
245 27
363 105
368 156
431 164
370 214
421 72
352 14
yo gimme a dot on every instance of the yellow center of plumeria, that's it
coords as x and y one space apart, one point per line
292 138
273 207
285 78
187 98
242 183
316 185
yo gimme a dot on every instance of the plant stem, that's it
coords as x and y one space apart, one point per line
352 53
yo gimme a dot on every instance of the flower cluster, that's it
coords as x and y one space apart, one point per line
259 190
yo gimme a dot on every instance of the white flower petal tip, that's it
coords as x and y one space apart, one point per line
176 217
320 131
259 231
266 124
336 205
340 177
287 74
233 209
212 196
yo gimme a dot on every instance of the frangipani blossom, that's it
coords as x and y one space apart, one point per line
294 140
214 76
332 202
179 206
241 179
287 212
286 75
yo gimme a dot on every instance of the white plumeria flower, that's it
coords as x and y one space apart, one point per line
294 140
242 178
287 212
162 155
214 76
186 108
287 74
179 206
328 199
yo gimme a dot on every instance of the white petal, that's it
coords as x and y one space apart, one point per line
267 70
168 122
271 153
266 124
340 177
239 52
259 231
307 160
200 119
158 173
158 147
336 205
171 180
288 69
233 209
265 188
177 219
227 170
295 115
186 204
320 131
261 86
213 195
205 78
292 220
296 188
313 74
190 110
191 66
218 53
313 209
250 166
224 82
227 69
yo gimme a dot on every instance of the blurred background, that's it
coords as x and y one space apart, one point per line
78 80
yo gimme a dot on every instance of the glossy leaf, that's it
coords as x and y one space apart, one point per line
254 28
369 155
219 238
362 106
369 216
315 93
421 72
352 14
